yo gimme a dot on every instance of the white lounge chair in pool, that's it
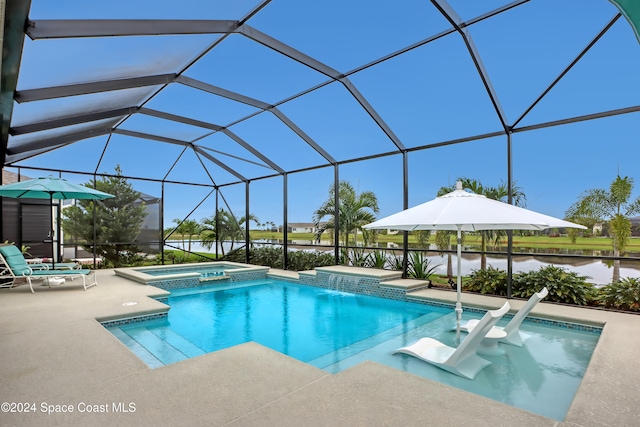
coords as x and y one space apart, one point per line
16 267
513 327
462 361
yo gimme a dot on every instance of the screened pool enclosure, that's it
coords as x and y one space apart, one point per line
259 107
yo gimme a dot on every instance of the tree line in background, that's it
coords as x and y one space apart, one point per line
118 220
222 226
610 209
613 207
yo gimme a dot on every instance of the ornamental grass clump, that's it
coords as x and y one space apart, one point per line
420 267
377 259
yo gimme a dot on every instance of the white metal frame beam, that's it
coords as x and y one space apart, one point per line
454 19
54 92
72 120
66 28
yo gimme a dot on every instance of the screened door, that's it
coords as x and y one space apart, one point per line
35 223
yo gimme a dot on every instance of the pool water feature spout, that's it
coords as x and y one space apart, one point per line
343 283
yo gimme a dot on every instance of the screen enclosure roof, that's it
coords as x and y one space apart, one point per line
233 91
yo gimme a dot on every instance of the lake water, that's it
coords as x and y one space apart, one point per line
598 271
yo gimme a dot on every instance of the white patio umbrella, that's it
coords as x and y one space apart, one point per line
465 211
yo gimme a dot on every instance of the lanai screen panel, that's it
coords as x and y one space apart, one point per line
265 88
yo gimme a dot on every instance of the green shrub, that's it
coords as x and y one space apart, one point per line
236 255
489 281
125 259
564 286
303 260
622 295
179 257
267 256
274 258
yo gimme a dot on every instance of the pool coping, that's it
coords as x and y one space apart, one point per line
412 296
52 336
376 273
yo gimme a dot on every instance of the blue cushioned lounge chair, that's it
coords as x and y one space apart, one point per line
16 266
37 264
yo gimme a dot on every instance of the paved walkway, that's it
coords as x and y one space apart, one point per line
56 357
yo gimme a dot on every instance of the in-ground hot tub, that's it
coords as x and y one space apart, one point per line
189 275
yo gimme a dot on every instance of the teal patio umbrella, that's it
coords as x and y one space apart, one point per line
51 188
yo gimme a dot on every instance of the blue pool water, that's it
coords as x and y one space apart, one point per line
334 331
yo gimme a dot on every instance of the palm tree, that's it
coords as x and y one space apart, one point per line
355 210
191 228
228 228
181 231
443 242
188 227
501 193
242 220
208 231
226 224
611 206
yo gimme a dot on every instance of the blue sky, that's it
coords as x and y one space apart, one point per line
428 95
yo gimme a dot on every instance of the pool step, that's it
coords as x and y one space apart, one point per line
220 286
136 348
163 351
179 342
385 346
328 360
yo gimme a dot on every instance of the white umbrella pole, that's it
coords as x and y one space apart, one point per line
459 287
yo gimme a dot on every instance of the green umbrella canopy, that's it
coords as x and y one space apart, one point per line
50 188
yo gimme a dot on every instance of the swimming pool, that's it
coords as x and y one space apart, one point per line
335 330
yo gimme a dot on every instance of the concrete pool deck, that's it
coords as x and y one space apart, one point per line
55 355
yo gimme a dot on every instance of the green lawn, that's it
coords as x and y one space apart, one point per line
533 242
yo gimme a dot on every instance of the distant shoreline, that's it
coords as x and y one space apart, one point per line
537 242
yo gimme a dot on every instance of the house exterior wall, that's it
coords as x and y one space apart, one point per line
303 227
